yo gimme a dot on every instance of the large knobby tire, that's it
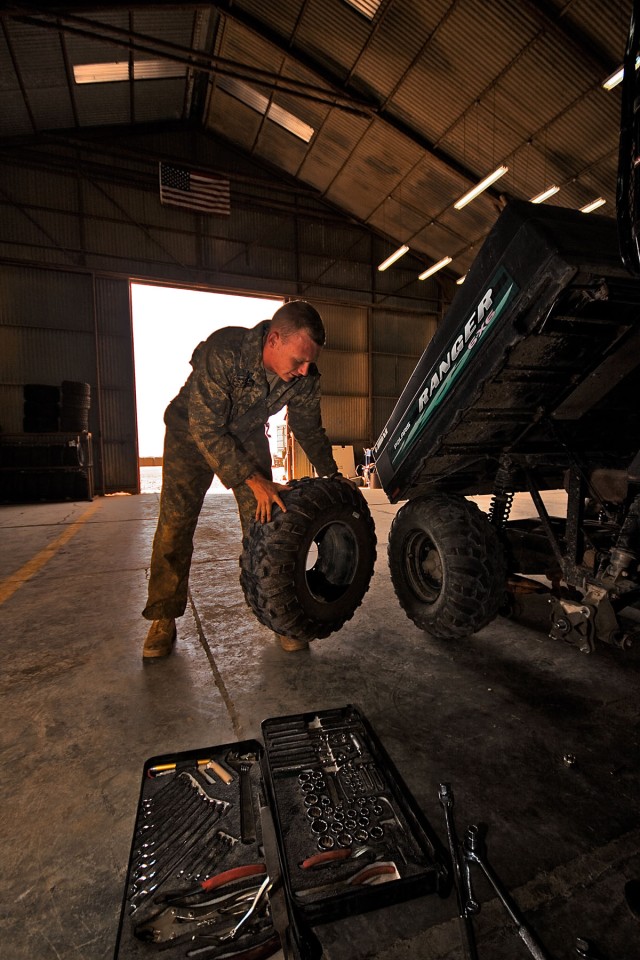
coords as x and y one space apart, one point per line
305 573
447 564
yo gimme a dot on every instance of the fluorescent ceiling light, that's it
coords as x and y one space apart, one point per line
461 279
616 77
593 205
541 197
437 266
246 94
400 252
118 71
479 187
368 7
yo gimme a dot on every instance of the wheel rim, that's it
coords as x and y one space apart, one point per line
423 567
331 562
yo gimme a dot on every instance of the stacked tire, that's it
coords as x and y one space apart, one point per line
54 463
74 409
41 408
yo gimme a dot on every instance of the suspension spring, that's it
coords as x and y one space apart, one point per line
502 499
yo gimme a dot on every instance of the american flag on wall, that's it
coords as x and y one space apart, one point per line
195 191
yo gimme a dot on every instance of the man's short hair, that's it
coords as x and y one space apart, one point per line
299 315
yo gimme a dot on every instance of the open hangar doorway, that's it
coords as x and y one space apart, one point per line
168 323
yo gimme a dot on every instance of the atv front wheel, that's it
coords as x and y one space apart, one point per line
306 571
447 565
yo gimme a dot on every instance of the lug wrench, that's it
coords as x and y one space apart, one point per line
474 850
467 906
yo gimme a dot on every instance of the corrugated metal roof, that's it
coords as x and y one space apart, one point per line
396 43
408 109
334 33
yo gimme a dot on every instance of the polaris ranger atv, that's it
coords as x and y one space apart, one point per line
531 383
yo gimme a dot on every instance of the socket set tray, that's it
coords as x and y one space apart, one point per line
341 831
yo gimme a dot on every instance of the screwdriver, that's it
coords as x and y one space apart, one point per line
162 769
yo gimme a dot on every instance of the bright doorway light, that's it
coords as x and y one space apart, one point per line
168 324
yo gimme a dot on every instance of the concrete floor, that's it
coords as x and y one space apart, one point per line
494 715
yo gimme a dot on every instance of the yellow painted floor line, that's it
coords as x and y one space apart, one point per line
10 584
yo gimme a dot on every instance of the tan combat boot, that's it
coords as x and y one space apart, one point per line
290 645
160 639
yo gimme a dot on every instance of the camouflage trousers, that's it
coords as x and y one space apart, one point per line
186 477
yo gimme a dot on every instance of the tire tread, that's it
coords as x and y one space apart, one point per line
270 552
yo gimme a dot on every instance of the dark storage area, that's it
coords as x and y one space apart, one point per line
36 467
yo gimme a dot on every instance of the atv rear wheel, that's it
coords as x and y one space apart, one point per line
305 573
447 565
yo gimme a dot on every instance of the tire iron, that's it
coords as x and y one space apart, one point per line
474 850
465 911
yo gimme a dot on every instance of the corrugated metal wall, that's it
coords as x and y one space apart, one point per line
397 342
369 357
118 430
46 335
344 365
97 222
58 325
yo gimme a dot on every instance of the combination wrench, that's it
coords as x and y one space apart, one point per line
242 762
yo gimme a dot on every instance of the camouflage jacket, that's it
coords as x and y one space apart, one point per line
226 402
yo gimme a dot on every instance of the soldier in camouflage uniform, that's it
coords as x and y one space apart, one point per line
216 425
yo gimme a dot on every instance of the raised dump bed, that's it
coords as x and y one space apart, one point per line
538 355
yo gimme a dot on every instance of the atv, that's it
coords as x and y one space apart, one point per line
531 383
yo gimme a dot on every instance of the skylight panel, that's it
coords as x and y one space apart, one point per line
243 92
119 71
246 94
368 8
290 122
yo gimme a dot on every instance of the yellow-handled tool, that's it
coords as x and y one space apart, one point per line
162 769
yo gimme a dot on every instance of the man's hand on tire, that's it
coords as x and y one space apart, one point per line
266 494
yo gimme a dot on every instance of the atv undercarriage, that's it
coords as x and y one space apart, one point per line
590 559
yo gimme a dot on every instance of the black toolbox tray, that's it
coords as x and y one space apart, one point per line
189 827
345 794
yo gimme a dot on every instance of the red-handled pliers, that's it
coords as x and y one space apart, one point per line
331 856
372 873
212 883
236 873
178 918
